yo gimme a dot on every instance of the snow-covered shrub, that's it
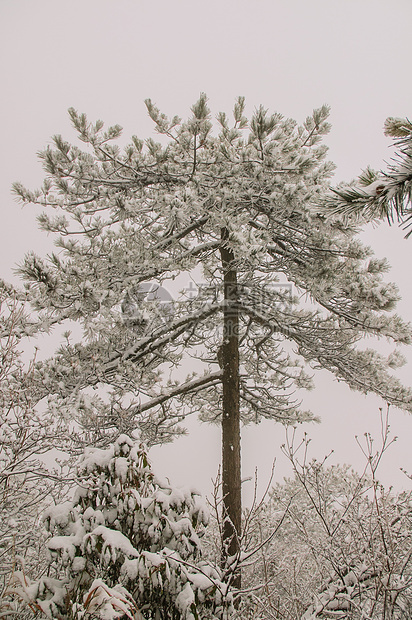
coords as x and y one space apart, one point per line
127 546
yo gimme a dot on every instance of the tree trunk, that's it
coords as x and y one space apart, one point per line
231 464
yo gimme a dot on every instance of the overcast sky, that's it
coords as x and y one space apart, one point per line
104 57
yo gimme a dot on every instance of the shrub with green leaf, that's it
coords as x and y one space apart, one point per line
127 546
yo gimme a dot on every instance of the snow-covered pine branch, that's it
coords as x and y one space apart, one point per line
378 195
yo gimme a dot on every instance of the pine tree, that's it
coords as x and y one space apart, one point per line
237 205
127 546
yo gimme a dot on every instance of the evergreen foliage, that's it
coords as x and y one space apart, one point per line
127 546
